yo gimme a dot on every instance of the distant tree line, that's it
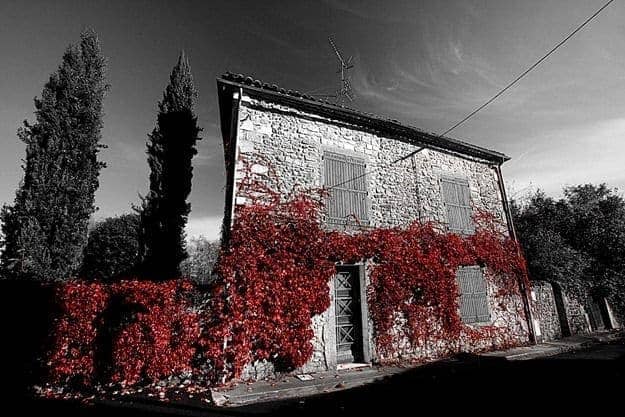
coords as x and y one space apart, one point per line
45 234
577 241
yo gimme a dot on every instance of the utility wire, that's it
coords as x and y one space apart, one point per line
537 63
496 96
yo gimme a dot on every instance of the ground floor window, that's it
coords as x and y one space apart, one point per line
473 295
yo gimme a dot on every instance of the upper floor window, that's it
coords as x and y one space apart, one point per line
345 177
456 195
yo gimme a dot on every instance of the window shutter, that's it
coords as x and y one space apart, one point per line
473 295
457 200
345 177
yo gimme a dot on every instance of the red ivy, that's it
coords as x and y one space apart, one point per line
161 339
158 340
276 269
274 277
75 331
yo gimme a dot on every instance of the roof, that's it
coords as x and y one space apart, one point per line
271 92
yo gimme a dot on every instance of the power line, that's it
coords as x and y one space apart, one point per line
524 73
496 96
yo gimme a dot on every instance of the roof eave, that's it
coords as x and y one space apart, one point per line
369 120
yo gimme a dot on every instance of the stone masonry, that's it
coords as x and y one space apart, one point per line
292 144
545 312
570 314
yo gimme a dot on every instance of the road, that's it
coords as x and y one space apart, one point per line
591 379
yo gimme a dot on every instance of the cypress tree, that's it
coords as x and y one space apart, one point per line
170 149
45 229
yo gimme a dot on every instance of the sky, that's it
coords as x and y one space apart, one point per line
425 63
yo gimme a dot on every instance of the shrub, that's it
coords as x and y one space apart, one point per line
152 332
201 261
75 331
112 248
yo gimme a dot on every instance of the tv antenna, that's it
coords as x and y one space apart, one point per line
345 90
345 87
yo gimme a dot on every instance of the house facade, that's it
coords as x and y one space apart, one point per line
380 173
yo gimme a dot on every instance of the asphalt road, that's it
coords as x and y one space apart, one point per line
590 380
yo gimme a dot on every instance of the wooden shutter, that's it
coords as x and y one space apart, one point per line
457 200
345 177
473 295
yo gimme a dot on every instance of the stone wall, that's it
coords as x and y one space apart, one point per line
292 144
571 316
576 314
507 326
545 312
615 316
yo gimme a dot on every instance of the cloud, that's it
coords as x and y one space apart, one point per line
435 80
366 12
286 45
209 227
590 153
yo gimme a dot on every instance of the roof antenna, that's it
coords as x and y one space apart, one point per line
345 90
345 87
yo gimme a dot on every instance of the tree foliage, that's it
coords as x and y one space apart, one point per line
45 230
201 261
170 148
577 240
112 249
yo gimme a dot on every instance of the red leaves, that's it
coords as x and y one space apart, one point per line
161 340
75 331
274 279
158 340
275 274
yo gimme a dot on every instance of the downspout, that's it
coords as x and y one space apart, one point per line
512 231
506 205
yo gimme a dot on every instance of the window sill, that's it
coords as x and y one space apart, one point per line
479 324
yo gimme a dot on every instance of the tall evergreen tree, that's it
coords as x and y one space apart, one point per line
170 148
45 229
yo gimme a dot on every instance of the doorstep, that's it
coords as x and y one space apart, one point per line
351 366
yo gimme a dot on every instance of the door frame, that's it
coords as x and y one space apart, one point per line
365 333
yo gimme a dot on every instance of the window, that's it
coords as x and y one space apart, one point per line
345 176
457 200
473 295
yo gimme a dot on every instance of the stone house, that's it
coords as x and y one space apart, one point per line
383 173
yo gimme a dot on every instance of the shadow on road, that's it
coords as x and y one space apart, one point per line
589 377
564 382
